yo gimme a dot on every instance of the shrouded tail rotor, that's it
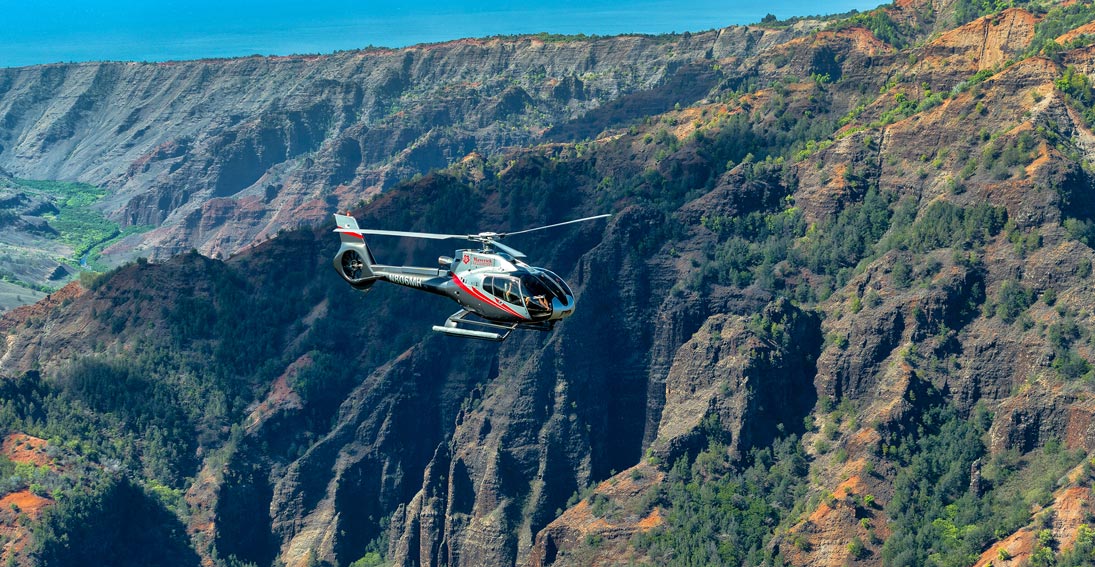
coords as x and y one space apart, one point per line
353 265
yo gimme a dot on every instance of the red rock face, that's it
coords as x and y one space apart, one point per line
21 506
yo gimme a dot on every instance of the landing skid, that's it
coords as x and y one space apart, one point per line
453 329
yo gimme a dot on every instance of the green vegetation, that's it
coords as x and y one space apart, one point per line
562 38
113 523
70 194
936 519
1078 88
836 248
371 559
966 11
771 21
1012 300
908 106
69 215
1060 19
934 476
881 25
1082 230
193 363
182 384
722 516
150 432
945 225
1082 551
753 245
78 225
999 157
1061 336
322 384
13 294
764 142
176 388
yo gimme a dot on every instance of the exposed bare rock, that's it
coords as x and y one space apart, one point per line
735 381
391 424
717 375
1039 414
1062 520
611 516
284 141
984 43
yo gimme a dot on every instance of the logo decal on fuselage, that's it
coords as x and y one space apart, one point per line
481 262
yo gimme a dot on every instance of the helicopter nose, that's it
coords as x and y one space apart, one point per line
560 311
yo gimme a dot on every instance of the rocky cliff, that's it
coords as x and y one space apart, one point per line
219 154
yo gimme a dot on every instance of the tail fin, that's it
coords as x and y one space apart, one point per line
354 261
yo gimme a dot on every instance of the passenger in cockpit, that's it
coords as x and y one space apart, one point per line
538 301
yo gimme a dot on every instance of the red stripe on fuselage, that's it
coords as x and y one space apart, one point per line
488 300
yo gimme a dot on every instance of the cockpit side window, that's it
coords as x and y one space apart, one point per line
506 289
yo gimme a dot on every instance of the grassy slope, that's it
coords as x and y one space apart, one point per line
14 295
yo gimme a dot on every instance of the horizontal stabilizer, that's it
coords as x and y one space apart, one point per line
345 221
348 229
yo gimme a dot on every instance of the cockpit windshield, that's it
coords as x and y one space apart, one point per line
562 290
537 295
532 289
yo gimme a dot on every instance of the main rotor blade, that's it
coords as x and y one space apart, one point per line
485 237
410 234
555 225
508 250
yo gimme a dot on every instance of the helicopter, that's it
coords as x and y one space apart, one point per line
497 291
